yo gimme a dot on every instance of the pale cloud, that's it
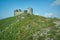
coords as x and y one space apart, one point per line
48 14
36 14
56 3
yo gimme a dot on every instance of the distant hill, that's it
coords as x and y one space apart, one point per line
29 27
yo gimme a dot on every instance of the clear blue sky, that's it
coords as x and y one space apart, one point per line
47 8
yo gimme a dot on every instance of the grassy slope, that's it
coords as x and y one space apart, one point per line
28 27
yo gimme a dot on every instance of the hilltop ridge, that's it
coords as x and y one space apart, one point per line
29 27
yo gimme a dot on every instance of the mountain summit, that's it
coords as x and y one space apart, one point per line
29 27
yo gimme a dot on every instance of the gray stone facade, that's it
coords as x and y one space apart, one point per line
19 11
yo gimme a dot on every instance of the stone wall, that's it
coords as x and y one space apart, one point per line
19 11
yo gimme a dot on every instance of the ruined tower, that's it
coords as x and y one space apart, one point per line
30 10
19 11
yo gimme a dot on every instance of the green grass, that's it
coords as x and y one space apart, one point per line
29 27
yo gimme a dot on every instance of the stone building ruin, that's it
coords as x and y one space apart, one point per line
19 11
